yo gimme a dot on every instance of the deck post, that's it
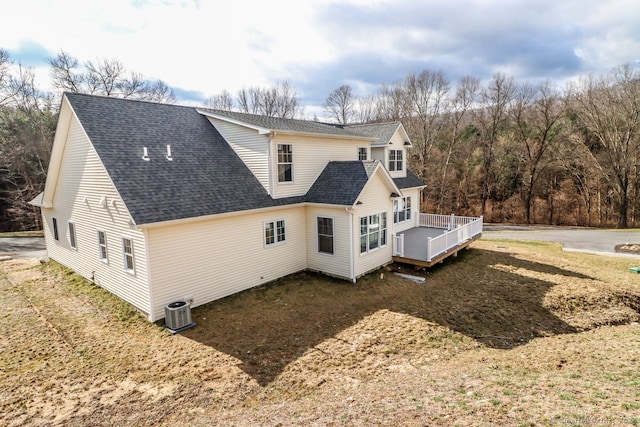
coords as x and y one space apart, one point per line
452 223
429 249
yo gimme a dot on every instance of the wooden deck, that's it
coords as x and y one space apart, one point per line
419 263
436 238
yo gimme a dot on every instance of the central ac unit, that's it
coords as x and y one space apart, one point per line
177 316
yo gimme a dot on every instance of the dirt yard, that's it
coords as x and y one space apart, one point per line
506 334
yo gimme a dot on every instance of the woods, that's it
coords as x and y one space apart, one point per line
513 151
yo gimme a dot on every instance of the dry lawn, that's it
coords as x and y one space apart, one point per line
508 333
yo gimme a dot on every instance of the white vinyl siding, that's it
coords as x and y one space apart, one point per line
338 264
375 200
81 183
208 260
250 146
396 156
310 156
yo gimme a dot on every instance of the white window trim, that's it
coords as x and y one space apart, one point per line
70 225
106 247
333 236
367 150
125 254
396 160
380 245
275 233
407 212
278 166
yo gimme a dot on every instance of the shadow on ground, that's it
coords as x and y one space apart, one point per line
269 327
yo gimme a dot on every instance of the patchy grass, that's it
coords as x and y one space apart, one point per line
509 333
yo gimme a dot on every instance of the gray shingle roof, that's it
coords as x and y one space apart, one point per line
382 131
340 183
291 125
409 182
205 177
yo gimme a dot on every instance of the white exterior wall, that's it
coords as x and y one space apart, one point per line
378 153
208 260
82 182
375 199
339 263
310 156
415 210
397 143
250 146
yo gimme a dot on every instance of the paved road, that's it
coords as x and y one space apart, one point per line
23 247
572 238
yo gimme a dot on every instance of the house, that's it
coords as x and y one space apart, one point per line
158 203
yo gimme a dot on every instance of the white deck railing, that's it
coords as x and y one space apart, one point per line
460 229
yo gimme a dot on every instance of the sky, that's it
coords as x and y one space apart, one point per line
202 47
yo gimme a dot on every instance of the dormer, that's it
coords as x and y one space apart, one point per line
391 146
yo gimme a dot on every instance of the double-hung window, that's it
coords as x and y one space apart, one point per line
127 250
102 246
363 153
373 232
401 210
395 160
274 232
325 235
285 163
72 235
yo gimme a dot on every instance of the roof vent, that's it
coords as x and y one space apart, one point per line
168 156
145 154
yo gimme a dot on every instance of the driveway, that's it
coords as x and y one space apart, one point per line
22 247
579 239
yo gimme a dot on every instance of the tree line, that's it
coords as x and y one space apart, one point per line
513 151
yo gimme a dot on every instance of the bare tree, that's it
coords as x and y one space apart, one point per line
491 118
608 107
426 94
106 77
221 101
536 113
392 104
280 100
340 105
465 95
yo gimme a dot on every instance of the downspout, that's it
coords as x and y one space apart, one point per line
152 313
269 165
351 251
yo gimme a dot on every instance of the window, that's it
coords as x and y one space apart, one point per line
395 160
363 153
127 249
102 246
72 235
402 210
373 232
285 163
274 232
325 235
55 228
